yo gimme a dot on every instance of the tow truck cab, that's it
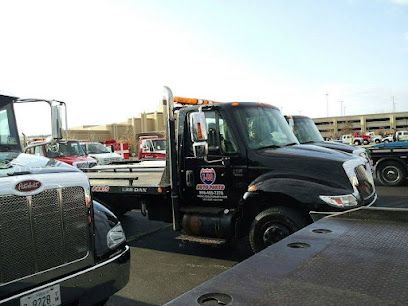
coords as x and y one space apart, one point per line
57 246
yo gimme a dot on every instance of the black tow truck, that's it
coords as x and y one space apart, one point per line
233 171
390 162
307 132
57 245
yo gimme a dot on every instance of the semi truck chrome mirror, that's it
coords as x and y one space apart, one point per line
198 127
56 120
200 149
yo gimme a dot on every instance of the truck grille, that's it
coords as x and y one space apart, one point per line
365 185
42 231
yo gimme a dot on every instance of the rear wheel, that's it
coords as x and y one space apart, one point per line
272 225
377 141
366 142
386 140
391 173
357 142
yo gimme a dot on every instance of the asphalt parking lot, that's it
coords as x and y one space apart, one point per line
162 268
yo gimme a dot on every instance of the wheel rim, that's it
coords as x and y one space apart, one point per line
273 233
390 174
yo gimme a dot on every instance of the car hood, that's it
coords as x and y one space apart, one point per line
104 155
31 164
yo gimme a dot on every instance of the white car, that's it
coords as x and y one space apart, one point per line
374 138
347 139
101 153
388 139
401 135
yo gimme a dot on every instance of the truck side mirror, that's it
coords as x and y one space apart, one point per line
200 149
199 135
198 127
56 121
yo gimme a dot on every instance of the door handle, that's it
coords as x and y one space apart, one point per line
189 178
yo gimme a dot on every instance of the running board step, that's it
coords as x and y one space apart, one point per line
202 240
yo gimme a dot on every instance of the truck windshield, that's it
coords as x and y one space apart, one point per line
96 148
306 131
265 127
8 129
159 144
67 149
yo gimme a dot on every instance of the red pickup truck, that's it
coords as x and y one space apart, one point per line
69 152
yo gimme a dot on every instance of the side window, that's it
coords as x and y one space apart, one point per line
219 135
38 150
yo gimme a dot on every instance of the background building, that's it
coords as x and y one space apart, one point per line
128 131
383 123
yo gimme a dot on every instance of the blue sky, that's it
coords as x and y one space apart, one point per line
108 59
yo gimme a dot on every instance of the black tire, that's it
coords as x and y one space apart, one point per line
377 141
272 225
386 141
357 142
391 173
366 142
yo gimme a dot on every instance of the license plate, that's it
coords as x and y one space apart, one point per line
50 296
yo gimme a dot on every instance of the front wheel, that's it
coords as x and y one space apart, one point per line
366 142
391 173
377 141
272 225
386 141
357 142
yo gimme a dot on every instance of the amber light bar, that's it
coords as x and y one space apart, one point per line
193 101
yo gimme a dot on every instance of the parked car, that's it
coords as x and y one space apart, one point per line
389 138
69 152
347 139
100 153
401 136
374 137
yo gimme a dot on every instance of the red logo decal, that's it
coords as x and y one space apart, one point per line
29 185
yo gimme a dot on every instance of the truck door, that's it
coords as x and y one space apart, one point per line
210 182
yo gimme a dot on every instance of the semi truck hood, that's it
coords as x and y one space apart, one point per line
12 164
305 162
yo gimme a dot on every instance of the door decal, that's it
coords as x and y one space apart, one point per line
209 191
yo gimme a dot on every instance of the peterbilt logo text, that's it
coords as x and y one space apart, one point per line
29 185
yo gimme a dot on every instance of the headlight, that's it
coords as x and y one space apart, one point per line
341 201
115 236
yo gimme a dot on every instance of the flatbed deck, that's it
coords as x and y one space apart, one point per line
354 258
138 178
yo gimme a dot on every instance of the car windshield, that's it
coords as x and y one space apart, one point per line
159 144
8 129
66 149
96 148
306 131
265 127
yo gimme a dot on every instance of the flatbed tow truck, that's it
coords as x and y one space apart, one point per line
234 171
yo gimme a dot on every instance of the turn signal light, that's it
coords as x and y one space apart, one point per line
251 188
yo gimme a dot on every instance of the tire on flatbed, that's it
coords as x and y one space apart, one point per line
274 224
391 173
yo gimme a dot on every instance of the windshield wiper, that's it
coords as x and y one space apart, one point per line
273 146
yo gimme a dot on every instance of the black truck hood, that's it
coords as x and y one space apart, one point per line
12 163
335 146
305 162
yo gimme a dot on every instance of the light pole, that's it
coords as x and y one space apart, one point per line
341 107
327 105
